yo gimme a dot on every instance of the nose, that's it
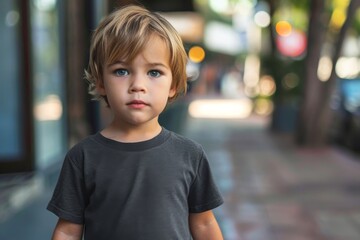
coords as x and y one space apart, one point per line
137 84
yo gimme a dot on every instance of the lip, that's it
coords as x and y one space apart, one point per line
137 104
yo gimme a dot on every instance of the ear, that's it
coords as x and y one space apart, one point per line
172 92
100 88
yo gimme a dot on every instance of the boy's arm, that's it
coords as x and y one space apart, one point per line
66 230
204 226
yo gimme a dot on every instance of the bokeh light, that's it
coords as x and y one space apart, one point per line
262 19
251 70
221 108
50 109
293 45
45 5
283 28
267 86
12 18
219 6
252 92
263 107
338 16
348 67
196 54
223 38
290 81
324 68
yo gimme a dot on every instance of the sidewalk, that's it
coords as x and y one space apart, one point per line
272 190
23 214
275 191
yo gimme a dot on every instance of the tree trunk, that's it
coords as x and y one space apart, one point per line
315 112
325 112
308 116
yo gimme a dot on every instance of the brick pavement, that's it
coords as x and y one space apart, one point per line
276 191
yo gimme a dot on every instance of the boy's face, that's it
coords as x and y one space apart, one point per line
138 91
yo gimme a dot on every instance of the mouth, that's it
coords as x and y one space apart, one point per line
137 104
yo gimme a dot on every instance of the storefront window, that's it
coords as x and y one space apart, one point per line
48 82
10 91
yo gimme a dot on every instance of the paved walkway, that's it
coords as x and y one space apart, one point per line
275 191
272 190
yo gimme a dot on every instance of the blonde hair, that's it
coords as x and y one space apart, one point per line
125 33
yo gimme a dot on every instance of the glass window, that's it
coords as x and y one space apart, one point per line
10 91
48 82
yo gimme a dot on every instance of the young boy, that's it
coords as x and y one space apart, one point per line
135 179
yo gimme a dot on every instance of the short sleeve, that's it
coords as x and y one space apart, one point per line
204 194
68 200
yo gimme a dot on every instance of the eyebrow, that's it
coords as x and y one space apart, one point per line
116 62
158 65
155 64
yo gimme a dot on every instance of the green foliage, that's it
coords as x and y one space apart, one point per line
296 15
356 23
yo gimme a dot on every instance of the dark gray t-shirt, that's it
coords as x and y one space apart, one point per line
137 191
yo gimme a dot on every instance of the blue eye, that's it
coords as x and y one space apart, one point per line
121 72
154 73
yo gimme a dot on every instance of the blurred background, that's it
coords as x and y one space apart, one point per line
274 98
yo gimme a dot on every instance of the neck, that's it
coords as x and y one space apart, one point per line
132 133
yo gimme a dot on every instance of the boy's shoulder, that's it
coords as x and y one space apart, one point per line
87 142
185 142
181 138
